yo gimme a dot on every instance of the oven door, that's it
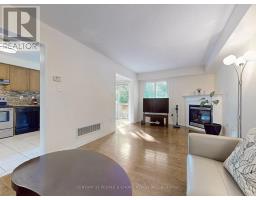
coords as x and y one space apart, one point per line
6 118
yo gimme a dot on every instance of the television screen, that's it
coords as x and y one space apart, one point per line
156 105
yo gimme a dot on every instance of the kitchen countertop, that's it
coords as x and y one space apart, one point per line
24 105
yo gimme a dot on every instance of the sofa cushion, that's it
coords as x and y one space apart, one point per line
242 163
207 177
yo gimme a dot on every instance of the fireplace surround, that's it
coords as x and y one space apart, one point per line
194 100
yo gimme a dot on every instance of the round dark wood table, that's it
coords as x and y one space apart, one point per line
73 173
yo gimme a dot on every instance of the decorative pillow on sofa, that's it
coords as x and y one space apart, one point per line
241 164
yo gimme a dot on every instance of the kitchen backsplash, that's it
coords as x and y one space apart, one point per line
19 98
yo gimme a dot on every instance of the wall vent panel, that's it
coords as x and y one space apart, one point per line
88 129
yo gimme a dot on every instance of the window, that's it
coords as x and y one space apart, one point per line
149 91
156 89
122 93
161 89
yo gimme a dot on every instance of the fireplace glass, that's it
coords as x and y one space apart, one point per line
198 115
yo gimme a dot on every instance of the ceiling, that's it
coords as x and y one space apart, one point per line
243 37
143 38
120 78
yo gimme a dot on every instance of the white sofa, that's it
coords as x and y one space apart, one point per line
206 175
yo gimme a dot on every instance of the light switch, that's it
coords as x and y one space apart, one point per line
56 78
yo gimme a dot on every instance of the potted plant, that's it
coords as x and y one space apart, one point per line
211 128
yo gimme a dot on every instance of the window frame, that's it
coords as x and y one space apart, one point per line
155 89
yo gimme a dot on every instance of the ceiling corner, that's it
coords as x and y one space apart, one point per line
236 16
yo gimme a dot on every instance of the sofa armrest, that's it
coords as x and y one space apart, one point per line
211 146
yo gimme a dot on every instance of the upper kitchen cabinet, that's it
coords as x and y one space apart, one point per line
34 80
4 71
19 78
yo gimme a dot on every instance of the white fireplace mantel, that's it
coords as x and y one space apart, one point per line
195 100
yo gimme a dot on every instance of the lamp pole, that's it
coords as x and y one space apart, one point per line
239 65
239 71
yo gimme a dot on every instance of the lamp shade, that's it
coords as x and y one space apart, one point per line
229 60
241 60
250 56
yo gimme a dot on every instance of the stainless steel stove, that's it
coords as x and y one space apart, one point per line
6 119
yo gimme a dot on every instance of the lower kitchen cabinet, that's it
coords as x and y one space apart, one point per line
27 119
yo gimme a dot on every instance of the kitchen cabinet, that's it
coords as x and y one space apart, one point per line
19 78
34 80
4 71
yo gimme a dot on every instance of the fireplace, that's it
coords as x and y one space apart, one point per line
198 115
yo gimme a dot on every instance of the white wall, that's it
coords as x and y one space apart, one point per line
179 87
133 102
85 96
226 83
242 40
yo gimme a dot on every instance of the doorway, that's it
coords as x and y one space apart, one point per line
122 100
20 108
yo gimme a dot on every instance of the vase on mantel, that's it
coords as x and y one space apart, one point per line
199 90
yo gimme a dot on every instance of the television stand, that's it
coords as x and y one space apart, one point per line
161 116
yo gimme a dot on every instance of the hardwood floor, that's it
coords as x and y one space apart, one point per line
153 157
5 186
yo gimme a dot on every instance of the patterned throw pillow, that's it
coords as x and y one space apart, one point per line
241 164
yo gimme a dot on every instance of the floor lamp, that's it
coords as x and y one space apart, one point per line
239 64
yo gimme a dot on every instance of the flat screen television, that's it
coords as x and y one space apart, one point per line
156 105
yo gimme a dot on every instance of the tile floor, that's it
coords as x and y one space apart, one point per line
18 149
